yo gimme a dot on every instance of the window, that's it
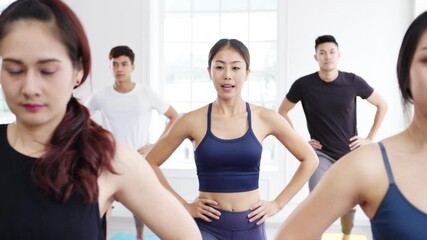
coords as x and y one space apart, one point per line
5 115
191 27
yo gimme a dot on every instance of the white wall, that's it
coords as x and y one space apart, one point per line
419 6
109 23
369 33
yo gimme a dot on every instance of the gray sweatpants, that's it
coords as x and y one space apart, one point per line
325 162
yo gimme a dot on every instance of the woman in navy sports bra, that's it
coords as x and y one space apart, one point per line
59 170
386 179
227 136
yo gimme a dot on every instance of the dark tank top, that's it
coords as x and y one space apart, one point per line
28 213
228 165
396 218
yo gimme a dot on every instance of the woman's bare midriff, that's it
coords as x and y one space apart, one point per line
233 202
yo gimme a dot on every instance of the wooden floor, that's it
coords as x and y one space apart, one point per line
126 225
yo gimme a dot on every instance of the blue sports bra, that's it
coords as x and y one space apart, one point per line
228 165
396 218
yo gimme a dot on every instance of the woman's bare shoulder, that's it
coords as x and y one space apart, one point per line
364 168
126 163
202 111
125 159
363 158
192 120
262 112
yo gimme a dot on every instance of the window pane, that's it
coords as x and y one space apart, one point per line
177 57
202 77
177 27
245 92
269 149
205 26
5 115
3 106
235 25
197 105
181 107
179 90
177 5
203 91
262 87
206 5
182 156
263 26
200 55
235 4
264 4
263 56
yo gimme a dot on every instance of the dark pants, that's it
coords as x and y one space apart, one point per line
231 226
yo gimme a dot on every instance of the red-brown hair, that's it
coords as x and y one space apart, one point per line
79 149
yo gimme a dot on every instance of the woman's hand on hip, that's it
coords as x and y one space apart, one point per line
263 210
202 208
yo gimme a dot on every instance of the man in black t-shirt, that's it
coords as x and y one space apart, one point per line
328 99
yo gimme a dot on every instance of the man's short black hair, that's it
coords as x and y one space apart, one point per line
123 50
325 39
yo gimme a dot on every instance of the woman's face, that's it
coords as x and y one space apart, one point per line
228 72
37 75
418 75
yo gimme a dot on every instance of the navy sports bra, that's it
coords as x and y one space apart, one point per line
396 218
228 165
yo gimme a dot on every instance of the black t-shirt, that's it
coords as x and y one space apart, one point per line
26 212
330 108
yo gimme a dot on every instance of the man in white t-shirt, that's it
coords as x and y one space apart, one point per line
126 107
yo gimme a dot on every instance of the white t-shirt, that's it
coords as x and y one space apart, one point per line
127 115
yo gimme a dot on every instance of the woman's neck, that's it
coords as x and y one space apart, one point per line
30 141
230 107
418 128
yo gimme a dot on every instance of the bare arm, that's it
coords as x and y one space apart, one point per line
141 192
345 184
304 153
284 108
184 128
379 102
164 148
172 116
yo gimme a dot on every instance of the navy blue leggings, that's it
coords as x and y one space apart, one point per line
231 226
